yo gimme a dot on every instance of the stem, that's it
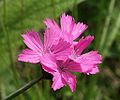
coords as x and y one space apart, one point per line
53 8
75 10
107 23
112 35
22 89
8 42
22 12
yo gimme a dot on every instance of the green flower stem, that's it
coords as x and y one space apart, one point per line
22 89
107 23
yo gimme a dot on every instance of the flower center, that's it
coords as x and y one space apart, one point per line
63 68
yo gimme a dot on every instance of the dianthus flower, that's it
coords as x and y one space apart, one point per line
52 44
60 54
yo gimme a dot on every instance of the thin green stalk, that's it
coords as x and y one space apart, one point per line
53 8
107 23
75 10
22 89
112 35
8 42
22 11
90 89
2 91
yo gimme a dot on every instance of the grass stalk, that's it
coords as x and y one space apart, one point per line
112 35
8 42
53 8
22 89
107 23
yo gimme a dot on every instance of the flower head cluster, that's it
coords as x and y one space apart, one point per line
59 53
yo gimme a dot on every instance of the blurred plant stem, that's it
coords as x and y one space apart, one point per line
8 42
53 8
9 47
2 91
22 89
107 23
75 11
112 35
22 11
90 89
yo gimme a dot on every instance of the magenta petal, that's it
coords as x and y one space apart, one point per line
51 24
49 61
28 55
74 67
61 50
70 80
67 37
78 29
67 23
32 40
50 38
82 44
94 70
89 60
58 81
85 68
48 69
91 57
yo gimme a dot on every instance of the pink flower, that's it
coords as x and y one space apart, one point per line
69 29
61 71
60 54
88 61
53 44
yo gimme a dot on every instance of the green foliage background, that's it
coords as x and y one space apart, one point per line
103 19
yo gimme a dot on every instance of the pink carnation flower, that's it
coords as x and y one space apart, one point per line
70 31
88 61
53 44
59 54
61 71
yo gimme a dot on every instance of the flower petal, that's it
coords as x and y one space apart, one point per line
32 40
50 38
91 57
74 67
70 80
49 62
61 50
48 69
67 23
89 60
51 24
94 70
78 29
58 81
82 44
68 26
28 55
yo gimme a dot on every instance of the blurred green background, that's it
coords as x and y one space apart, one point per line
103 19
